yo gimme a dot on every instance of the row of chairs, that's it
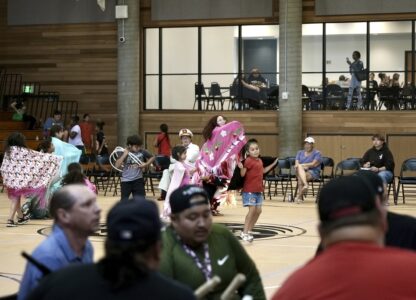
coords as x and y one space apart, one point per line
284 174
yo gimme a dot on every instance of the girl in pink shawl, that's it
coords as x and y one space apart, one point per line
25 173
182 174
218 157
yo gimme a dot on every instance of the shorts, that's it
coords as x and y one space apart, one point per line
252 199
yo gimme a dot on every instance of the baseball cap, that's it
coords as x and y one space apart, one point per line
181 198
345 196
134 221
309 140
185 131
373 179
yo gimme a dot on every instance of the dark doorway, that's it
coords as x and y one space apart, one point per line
261 54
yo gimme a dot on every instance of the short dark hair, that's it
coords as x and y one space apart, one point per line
134 140
378 137
164 128
54 130
85 115
15 139
62 198
100 125
57 112
357 53
177 151
44 145
75 118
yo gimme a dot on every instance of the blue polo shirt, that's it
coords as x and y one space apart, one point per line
55 253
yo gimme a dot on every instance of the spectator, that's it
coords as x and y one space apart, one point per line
379 160
195 250
354 264
129 268
20 114
256 79
355 84
162 142
75 135
307 166
101 147
76 216
87 133
55 120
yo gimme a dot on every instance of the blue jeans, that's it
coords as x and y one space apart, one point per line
386 176
355 84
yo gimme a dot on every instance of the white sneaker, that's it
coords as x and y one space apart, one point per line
246 237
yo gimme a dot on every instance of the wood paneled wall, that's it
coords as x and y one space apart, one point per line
79 61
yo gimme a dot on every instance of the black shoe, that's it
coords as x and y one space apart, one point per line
23 220
11 223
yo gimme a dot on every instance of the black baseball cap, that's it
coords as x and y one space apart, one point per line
345 196
375 181
181 198
134 221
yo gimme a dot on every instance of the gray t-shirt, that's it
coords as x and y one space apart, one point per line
131 170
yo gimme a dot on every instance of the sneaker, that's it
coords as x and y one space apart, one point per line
246 237
11 223
23 220
26 209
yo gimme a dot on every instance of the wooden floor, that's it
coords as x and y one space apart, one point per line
276 256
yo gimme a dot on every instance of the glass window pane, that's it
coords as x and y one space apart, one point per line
179 91
312 48
219 49
342 39
152 51
152 92
180 50
261 51
390 46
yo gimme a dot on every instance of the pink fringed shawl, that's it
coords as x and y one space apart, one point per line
219 155
27 172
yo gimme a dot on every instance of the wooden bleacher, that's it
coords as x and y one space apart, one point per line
8 126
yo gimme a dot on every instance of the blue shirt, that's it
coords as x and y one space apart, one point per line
50 122
55 253
315 155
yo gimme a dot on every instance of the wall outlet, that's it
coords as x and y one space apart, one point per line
285 95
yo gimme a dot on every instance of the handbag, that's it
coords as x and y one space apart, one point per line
362 75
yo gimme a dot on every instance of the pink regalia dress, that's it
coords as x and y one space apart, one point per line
219 156
28 173
181 176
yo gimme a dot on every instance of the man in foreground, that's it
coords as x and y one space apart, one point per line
354 263
195 250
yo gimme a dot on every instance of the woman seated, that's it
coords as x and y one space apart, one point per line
307 166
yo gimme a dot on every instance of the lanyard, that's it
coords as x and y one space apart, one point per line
203 265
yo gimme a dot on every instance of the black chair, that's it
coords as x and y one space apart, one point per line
347 167
114 182
327 173
161 162
335 98
407 176
200 94
389 97
273 97
281 173
306 98
406 98
216 96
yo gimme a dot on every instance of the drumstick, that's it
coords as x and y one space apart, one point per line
207 287
229 292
